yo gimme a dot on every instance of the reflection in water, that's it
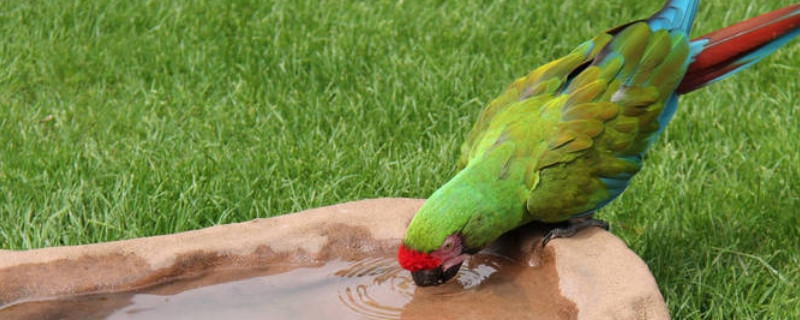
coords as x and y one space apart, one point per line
373 288
472 276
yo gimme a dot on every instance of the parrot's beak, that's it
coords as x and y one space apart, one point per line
436 276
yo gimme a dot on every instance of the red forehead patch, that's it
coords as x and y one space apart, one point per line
412 260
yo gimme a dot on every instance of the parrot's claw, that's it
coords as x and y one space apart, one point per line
572 228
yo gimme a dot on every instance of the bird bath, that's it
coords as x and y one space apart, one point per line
334 262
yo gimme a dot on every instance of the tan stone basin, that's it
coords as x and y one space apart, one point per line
333 262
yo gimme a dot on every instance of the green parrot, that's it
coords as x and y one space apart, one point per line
565 140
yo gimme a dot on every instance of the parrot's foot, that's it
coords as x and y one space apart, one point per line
572 228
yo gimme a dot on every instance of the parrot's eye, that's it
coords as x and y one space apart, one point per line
448 246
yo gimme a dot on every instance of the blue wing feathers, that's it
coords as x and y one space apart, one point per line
675 15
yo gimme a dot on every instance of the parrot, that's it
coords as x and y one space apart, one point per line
565 140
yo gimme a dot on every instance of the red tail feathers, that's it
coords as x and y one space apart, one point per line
729 49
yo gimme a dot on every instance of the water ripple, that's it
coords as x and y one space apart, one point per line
382 291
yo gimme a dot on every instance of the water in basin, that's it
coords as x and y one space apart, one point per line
488 286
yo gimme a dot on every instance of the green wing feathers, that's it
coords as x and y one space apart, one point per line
581 123
544 82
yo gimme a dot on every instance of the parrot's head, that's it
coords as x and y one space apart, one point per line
449 227
458 220
437 266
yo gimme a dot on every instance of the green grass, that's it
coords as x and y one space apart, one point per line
122 119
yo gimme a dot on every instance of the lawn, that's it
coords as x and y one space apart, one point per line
123 119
